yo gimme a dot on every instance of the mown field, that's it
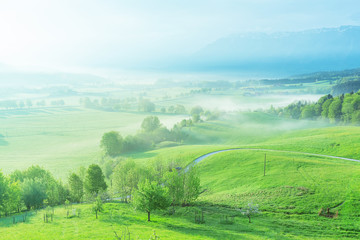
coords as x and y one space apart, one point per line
61 139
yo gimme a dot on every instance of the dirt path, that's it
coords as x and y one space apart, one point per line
199 159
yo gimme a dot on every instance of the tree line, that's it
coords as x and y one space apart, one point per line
157 185
36 187
341 109
20 104
152 132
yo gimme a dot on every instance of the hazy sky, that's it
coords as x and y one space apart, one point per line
84 34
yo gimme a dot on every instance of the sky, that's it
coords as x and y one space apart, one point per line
83 35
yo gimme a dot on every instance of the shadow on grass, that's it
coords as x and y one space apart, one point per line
16 219
183 223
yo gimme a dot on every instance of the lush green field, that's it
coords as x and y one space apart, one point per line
61 139
118 216
295 188
289 196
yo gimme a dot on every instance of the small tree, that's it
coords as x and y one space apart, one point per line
98 206
250 210
150 196
196 110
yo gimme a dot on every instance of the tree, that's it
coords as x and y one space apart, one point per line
112 143
151 196
3 191
98 206
250 210
174 181
150 123
308 112
14 198
335 110
171 109
196 118
180 109
146 106
325 107
76 188
34 193
196 110
126 178
191 186
94 180
56 192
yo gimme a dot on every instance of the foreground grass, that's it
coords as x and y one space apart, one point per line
118 216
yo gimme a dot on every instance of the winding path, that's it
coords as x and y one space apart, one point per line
199 159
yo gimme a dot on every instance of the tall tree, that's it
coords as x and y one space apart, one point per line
174 180
191 186
94 180
76 187
3 191
335 110
34 193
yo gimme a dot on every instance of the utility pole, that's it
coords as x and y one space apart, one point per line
264 164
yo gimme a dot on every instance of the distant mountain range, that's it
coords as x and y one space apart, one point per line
286 53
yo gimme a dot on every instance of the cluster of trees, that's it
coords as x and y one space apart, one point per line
344 108
35 188
108 104
57 102
145 105
152 132
346 86
14 104
157 186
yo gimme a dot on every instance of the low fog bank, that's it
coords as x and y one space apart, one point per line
251 103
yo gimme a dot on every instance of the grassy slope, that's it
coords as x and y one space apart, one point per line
295 187
294 183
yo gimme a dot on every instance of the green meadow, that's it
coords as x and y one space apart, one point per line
63 138
290 195
294 189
